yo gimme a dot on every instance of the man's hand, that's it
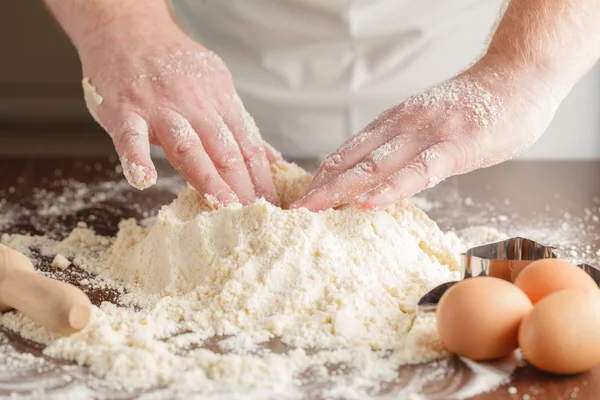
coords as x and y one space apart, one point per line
477 119
172 92
148 82
480 118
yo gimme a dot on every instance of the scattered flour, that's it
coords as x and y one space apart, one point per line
60 262
254 297
138 176
464 91
423 203
231 326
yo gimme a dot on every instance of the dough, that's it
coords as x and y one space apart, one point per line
92 99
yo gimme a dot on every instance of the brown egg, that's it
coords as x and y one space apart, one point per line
547 276
562 333
479 317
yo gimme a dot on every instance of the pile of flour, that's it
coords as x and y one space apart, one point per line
256 297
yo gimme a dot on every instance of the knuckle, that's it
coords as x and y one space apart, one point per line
129 137
185 147
201 105
385 130
444 134
332 163
368 166
460 155
128 96
227 161
417 167
389 185
254 150
208 182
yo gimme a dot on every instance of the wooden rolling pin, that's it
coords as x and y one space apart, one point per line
58 306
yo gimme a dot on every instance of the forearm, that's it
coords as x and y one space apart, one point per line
80 19
558 40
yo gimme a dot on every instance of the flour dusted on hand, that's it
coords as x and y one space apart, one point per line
338 286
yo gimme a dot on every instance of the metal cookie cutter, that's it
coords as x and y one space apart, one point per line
504 259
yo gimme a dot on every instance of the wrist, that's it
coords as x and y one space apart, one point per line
128 37
87 21
521 77
558 74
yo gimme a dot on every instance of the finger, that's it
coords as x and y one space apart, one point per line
130 135
253 150
225 154
131 140
185 151
364 176
424 171
272 155
355 149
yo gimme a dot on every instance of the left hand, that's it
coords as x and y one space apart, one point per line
160 87
479 118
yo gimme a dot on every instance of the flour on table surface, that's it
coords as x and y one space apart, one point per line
280 304
60 262
423 203
572 232
333 288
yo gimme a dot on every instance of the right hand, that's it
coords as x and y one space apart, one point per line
160 87
483 116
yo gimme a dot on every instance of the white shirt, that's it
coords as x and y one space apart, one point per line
314 72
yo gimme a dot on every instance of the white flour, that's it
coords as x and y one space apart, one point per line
337 287
93 100
136 175
164 340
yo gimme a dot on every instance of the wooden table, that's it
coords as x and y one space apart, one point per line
515 197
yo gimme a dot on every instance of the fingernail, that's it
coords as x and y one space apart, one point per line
137 175
295 205
275 153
